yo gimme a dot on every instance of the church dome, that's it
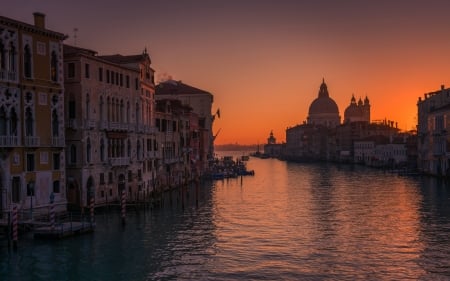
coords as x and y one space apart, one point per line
323 104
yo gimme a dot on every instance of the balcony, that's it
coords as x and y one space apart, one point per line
72 124
9 141
90 124
119 161
58 142
8 75
104 125
32 141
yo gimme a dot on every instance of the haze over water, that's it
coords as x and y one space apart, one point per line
288 222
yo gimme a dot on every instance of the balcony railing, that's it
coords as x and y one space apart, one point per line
32 141
72 124
8 75
90 124
9 141
58 141
119 161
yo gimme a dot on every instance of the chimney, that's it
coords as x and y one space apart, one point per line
39 20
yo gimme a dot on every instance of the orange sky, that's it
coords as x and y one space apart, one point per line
264 60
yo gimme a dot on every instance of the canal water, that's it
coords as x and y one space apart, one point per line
289 221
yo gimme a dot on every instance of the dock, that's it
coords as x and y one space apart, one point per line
63 230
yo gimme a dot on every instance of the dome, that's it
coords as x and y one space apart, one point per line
323 104
352 111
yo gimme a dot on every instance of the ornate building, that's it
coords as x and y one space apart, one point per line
32 158
324 110
201 103
110 132
357 112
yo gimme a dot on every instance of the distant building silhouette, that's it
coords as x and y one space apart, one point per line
324 110
356 112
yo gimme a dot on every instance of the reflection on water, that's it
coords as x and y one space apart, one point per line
288 222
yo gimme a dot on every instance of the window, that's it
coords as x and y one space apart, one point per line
15 189
43 157
127 80
56 188
29 128
86 70
117 78
13 120
100 74
129 148
130 176
27 61
30 162
112 77
121 79
73 154
72 111
12 57
110 177
102 178
2 56
88 150
107 76
55 124
3 121
102 150
71 70
56 161
136 81
54 67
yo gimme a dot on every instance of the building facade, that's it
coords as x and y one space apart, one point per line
32 154
201 103
110 130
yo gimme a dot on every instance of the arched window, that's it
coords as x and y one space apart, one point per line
102 150
12 57
73 154
128 113
55 123
54 67
56 188
108 109
129 148
88 150
100 110
122 148
3 121
13 120
88 102
137 114
138 150
29 123
27 61
121 112
2 56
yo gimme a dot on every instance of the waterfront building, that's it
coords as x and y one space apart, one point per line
32 154
324 110
272 148
110 132
179 143
432 131
201 103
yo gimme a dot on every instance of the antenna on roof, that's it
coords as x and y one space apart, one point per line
75 30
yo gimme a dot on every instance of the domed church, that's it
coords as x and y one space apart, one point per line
356 112
324 110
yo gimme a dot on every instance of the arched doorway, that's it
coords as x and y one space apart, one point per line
73 194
